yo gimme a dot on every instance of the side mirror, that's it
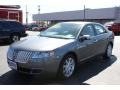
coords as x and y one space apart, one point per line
84 37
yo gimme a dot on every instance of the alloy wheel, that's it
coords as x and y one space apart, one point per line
68 67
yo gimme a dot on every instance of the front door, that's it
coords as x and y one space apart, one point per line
87 47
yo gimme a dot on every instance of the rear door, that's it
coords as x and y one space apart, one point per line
102 38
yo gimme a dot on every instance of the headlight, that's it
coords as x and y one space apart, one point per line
37 55
10 53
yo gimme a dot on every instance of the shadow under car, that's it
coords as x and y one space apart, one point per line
84 72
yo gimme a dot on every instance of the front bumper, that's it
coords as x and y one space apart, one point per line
46 66
28 68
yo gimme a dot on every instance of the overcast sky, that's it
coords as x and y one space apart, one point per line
48 6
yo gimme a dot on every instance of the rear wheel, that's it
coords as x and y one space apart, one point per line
108 52
67 66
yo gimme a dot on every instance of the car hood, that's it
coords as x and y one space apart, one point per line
37 43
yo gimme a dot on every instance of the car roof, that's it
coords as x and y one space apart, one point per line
81 22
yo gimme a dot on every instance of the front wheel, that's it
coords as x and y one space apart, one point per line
67 67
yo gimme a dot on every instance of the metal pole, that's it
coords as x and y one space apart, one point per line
39 14
38 9
84 13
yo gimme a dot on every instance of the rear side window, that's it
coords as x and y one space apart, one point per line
4 25
34 25
0 27
16 25
99 29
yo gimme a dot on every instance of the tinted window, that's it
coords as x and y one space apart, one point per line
4 25
10 24
34 25
15 24
99 29
88 30
0 26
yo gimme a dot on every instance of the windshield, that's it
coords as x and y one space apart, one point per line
62 30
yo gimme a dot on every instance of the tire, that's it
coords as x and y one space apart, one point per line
67 67
14 38
108 52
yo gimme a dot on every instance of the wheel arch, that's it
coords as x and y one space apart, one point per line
71 53
62 59
111 43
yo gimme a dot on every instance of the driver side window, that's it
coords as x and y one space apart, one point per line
88 30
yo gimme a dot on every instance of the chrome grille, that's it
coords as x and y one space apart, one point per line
23 56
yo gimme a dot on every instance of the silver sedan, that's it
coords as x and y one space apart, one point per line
60 48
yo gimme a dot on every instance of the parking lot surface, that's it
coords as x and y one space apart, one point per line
97 71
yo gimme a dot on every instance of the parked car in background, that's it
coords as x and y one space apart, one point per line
43 28
11 30
26 27
60 48
35 27
114 26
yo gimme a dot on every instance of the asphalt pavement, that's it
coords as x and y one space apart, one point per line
97 71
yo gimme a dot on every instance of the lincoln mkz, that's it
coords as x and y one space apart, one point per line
60 48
